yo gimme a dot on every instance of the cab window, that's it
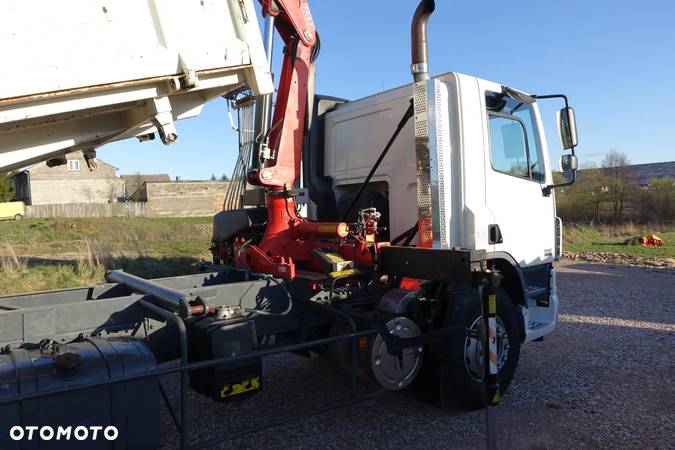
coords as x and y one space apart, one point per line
514 142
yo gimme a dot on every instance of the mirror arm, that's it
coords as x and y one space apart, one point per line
544 97
546 190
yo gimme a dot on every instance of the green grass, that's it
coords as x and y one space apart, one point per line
162 237
59 275
606 239
44 254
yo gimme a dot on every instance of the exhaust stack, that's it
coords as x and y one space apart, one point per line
418 36
430 142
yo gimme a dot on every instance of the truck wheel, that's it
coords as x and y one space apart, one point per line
18 217
465 354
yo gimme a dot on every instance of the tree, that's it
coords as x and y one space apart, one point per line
616 168
224 177
88 193
213 177
657 202
594 183
6 188
583 200
111 191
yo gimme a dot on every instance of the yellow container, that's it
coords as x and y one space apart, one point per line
12 210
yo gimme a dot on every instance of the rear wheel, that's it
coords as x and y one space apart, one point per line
18 217
465 354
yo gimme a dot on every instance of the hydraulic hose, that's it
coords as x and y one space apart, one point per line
267 313
408 114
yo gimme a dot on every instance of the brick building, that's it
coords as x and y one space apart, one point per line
72 182
181 198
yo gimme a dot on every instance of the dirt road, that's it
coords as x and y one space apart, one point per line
604 379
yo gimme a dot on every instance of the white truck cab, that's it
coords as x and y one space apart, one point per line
493 174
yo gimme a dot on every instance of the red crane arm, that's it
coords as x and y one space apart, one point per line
289 239
294 23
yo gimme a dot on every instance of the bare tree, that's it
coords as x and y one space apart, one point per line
618 173
583 201
111 192
657 201
88 193
594 186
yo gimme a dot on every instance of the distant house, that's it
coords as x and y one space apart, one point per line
72 182
132 183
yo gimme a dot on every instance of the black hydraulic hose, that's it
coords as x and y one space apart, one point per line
282 313
412 234
316 49
406 234
408 114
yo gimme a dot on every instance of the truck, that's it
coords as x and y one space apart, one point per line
409 236
12 210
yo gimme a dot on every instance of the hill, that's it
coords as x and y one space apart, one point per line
646 172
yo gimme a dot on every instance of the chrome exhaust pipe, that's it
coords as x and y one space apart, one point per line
418 32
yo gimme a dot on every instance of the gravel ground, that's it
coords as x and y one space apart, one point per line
604 379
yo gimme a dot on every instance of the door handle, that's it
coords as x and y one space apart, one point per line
494 234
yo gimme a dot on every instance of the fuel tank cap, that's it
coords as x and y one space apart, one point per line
66 364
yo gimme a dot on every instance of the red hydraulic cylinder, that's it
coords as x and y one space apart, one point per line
306 230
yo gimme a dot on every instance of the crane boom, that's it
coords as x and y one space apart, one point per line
280 167
288 238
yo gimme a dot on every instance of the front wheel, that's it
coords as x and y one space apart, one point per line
465 354
18 217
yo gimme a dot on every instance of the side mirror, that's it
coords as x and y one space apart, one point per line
568 163
567 128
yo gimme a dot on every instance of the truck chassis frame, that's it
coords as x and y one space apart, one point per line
116 309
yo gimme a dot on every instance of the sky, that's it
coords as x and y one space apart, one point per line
615 60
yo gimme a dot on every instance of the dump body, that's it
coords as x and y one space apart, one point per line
81 74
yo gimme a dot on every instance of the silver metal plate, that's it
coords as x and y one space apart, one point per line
390 371
422 157
431 152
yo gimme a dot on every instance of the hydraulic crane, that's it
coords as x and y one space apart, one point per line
291 242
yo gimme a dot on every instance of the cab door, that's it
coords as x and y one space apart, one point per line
515 174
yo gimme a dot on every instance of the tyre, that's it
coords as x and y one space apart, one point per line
464 357
18 217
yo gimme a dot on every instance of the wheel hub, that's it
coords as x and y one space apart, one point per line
473 350
396 372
